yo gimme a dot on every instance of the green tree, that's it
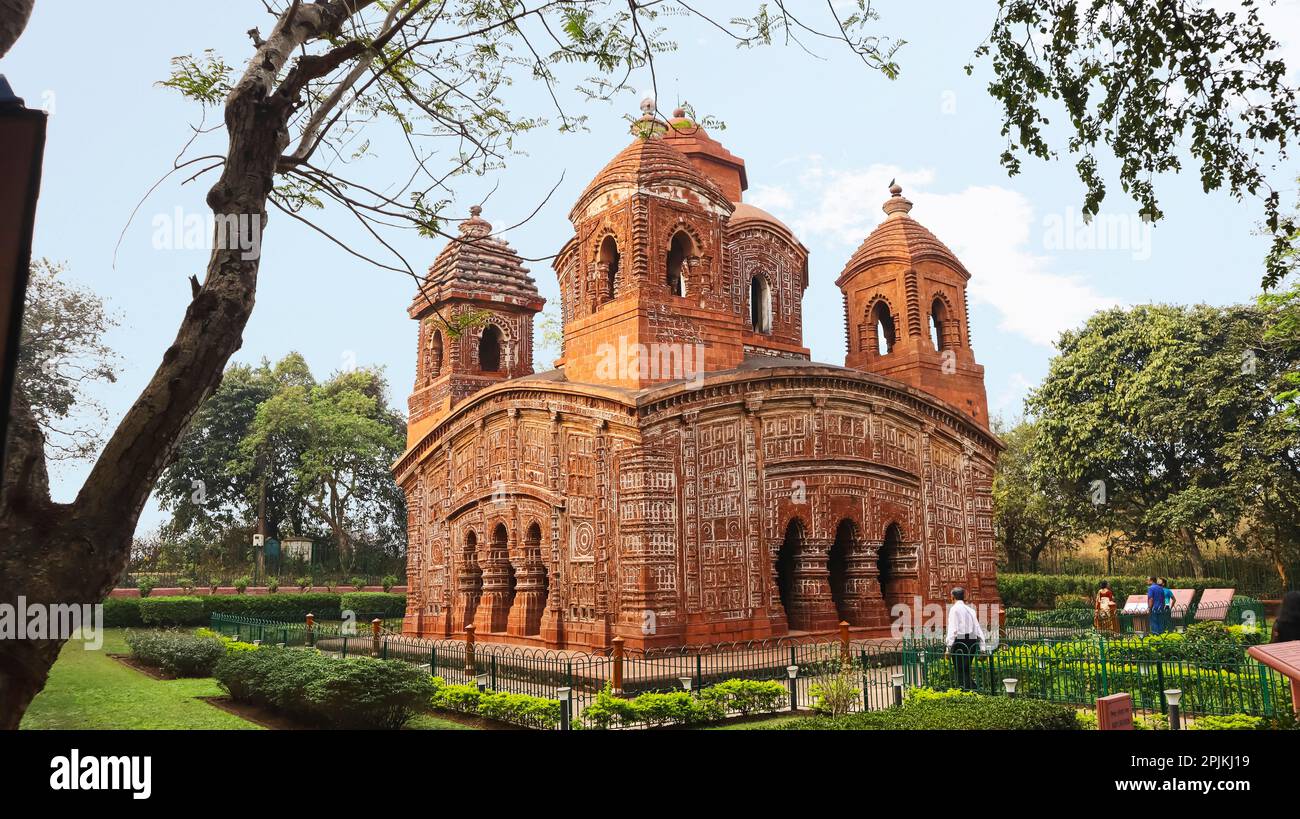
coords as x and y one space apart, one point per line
1160 417
61 353
207 488
1032 512
349 440
1153 83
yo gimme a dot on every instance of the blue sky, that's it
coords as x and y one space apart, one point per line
821 137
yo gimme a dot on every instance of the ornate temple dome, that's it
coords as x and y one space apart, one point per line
477 262
900 238
650 164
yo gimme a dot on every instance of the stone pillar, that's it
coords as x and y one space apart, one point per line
812 608
861 603
469 584
494 606
530 593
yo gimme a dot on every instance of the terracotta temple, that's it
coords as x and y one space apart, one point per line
686 474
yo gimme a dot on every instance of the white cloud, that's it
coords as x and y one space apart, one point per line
992 229
1009 402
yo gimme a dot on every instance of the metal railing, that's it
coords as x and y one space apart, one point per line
1070 669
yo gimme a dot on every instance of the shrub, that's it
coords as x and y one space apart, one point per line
1071 601
520 709
746 696
172 611
969 712
389 582
358 692
462 698
1231 722
1151 722
660 709
177 652
272 585
186 583
242 584
358 583
374 604
834 689
1087 720
304 583
608 711
214 583
363 692
230 643
120 612
145 585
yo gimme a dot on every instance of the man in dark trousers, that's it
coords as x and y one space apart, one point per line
965 637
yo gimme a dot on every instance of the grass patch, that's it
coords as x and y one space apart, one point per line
91 690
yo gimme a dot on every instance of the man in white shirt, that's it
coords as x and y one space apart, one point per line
965 637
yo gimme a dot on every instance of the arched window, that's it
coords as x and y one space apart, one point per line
882 324
489 349
435 355
760 305
679 250
939 324
608 260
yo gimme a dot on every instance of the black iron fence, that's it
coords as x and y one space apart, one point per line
1071 669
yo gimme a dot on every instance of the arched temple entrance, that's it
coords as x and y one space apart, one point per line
785 566
891 585
802 581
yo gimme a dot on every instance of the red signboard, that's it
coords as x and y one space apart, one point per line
1115 713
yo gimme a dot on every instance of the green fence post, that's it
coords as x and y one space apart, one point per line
1265 690
493 672
1105 675
866 706
699 672
433 661
1160 685
345 645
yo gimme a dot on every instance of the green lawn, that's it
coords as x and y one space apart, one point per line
89 689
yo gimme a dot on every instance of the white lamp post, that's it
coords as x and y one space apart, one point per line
1010 683
1173 696
792 671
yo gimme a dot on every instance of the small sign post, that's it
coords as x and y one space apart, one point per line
1115 713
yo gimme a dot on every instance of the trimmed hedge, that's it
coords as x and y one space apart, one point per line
962 711
172 611
1041 590
180 610
518 709
122 612
376 604
680 708
357 692
176 652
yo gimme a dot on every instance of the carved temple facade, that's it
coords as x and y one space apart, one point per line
686 475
